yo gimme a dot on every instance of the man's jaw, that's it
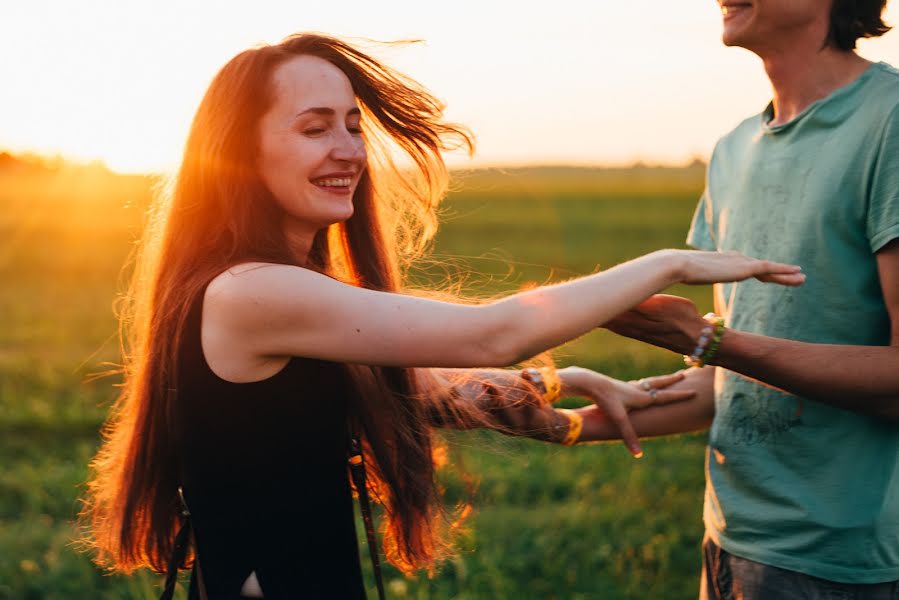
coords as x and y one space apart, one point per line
731 9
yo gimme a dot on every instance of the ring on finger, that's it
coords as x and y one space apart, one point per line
644 385
653 394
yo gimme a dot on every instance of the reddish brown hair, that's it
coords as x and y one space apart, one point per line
217 213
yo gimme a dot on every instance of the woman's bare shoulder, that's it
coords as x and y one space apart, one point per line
252 277
257 289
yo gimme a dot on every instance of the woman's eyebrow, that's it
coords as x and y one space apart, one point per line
326 111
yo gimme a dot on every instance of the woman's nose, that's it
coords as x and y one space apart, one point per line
348 147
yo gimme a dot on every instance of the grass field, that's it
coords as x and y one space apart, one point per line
586 522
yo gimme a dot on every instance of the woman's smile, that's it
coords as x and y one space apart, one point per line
335 183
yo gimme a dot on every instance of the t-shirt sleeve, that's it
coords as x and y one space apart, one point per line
700 235
883 205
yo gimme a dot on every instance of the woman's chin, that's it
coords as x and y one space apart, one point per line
339 216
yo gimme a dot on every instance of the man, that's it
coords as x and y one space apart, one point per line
802 485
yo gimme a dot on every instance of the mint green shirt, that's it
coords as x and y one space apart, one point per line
792 482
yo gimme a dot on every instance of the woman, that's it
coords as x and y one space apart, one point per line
268 325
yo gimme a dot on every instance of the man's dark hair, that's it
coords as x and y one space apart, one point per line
854 19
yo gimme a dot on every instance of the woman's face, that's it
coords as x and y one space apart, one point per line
311 152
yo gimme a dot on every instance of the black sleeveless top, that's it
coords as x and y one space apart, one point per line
265 477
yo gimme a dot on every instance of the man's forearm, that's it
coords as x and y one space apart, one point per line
694 414
859 378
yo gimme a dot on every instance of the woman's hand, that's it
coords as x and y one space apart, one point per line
616 398
697 267
669 322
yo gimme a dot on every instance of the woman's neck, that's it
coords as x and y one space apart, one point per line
299 237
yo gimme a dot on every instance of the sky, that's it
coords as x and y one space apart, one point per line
561 82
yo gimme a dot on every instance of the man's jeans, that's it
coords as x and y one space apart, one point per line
728 577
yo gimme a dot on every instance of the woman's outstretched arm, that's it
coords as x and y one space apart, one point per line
503 400
267 311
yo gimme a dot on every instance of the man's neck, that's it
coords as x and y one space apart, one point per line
802 73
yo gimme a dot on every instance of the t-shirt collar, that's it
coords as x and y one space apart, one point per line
832 100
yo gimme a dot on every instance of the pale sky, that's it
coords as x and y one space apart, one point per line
567 81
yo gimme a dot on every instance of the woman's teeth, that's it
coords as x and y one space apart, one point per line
334 182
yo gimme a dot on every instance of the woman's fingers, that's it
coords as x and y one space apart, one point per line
792 279
618 415
660 396
770 267
774 272
770 271
667 396
660 381
711 267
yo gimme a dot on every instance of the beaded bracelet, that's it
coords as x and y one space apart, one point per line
547 380
575 426
716 339
553 384
708 343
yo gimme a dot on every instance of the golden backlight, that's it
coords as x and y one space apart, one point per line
551 82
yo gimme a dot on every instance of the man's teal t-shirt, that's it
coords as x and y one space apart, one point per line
792 482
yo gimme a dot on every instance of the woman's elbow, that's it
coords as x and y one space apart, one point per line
500 342
502 349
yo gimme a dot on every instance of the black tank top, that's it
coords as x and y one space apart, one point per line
265 477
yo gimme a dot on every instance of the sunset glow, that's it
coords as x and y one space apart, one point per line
554 82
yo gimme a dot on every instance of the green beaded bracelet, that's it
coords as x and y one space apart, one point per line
708 343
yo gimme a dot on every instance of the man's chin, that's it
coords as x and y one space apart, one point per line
735 39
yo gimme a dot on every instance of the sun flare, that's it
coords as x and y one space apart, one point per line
563 82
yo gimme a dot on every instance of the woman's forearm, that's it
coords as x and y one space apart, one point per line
498 399
527 323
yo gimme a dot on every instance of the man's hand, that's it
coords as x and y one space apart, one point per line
667 321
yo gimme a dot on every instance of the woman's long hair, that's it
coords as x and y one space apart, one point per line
217 213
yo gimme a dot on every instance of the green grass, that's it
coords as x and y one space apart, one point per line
586 522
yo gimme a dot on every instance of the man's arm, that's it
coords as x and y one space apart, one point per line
859 378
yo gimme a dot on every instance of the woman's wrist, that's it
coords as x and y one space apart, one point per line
578 381
673 265
571 378
572 426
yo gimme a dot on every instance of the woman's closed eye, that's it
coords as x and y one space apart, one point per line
314 131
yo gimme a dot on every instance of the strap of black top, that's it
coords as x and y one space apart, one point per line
357 469
183 540
179 552
185 536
